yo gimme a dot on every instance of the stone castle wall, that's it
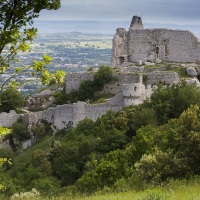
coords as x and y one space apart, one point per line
60 116
168 45
73 80
7 119
141 44
162 77
97 110
128 89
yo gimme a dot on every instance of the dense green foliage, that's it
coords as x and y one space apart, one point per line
170 102
124 150
89 90
11 99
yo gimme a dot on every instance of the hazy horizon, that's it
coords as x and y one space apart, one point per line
101 27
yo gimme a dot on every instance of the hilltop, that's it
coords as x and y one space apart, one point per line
131 126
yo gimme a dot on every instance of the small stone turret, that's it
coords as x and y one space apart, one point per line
136 23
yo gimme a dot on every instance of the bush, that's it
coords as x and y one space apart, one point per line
110 169
11 99
20 131
170 102
159 166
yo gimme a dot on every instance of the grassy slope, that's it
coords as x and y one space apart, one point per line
175 190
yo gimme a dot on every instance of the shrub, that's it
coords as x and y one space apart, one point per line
111 168
20 131
170 102
11 99
157 167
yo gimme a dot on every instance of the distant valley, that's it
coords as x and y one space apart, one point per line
102 27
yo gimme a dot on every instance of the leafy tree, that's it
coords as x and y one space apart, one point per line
16 33
171 150
106 173
170 102
11 99
102 77
68 159
15 15
3 132
138 116
20 131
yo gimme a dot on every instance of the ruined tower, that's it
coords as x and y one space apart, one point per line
136 23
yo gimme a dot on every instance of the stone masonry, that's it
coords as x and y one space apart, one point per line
128 89
151 44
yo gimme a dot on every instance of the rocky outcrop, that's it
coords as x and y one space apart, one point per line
42 100
191 71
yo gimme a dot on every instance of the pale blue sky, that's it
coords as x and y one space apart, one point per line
156 11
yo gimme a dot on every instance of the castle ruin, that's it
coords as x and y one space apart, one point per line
133 46
150 44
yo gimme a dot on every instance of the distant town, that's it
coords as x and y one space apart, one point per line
70 52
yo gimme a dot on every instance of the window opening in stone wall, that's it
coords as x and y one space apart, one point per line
165 50
157 51
121 60
135 88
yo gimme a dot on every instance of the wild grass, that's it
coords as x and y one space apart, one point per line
174 190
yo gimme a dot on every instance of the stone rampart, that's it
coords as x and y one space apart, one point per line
73 80
60 116
7 119
162 77
97 110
